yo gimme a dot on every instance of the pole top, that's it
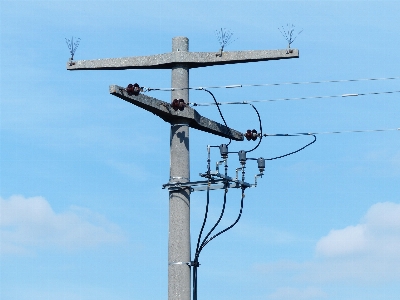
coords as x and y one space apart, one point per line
180 43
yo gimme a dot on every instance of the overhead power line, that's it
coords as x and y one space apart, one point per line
329 132
270 84
296 98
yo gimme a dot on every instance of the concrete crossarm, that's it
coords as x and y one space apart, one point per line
190 59
168 114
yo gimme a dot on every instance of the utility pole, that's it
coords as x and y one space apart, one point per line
180 60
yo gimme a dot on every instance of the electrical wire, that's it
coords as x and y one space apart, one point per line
199 246
216 223
271 84
329 132
229 227
298 150
298 98
207 240
216 103
261 134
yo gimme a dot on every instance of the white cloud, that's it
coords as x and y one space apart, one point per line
30 223
378 234
367 252
349 240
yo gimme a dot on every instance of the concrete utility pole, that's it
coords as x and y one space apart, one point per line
180 60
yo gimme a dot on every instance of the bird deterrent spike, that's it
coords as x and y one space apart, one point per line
72 46
289 33
224 37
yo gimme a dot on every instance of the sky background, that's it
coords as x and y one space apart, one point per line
83 214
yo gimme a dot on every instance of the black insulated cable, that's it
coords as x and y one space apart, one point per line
298 150
217 104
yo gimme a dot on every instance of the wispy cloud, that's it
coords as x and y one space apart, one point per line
28 224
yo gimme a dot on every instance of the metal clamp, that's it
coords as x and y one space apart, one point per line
190 264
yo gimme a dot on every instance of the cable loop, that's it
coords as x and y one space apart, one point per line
298 150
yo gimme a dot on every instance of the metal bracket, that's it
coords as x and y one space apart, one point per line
212 184
190 263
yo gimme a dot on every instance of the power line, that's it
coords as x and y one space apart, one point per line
329 132
290 153
296 98
270 84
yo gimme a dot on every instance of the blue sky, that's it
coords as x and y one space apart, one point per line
83 214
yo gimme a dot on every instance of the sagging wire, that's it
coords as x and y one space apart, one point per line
297 98
331 132
298 150
216 103
272 84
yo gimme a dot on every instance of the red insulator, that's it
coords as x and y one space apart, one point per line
133 89
175 104
248 135
254 134
178 104
182 104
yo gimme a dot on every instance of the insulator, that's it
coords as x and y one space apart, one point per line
178 104
251 134
175 104
254 134
261 164
181 104
223 149
248 135
133 89
242 156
